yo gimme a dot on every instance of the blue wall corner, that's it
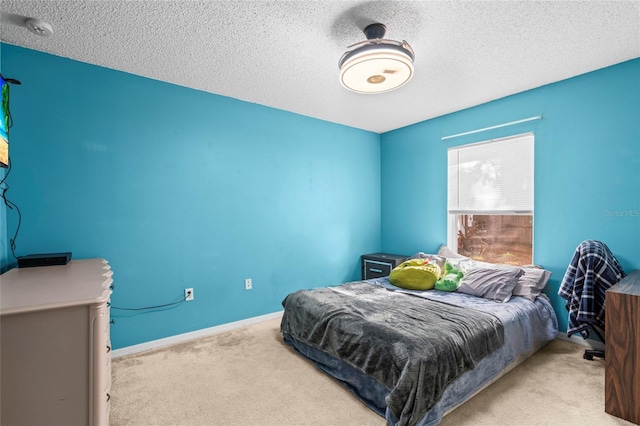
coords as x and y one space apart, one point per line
587 169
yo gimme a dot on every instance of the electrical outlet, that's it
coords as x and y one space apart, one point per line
248 284
188 294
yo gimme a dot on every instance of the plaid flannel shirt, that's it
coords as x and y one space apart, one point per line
592 271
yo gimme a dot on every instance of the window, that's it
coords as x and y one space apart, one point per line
490 200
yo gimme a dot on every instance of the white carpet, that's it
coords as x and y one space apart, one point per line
249 377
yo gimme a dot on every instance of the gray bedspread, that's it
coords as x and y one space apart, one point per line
412 346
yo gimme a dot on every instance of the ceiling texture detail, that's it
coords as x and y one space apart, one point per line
284 54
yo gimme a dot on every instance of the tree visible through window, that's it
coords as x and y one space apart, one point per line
496 238
490 205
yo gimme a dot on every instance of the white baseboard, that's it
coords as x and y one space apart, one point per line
180 338
579 340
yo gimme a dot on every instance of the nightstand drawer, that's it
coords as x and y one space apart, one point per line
375 269
378 265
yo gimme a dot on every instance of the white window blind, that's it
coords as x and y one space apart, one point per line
494 177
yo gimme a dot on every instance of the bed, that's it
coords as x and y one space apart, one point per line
413 356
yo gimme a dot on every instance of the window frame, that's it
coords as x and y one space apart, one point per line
452 222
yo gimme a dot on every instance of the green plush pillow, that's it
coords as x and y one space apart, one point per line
451 278
415 274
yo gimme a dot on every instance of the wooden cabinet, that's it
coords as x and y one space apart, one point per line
377 265
55 344
622 349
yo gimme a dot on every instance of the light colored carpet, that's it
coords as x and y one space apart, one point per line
249 377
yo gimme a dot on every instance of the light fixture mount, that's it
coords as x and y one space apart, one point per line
39 27
375 31
376 65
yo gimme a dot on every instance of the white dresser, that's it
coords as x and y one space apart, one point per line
55 365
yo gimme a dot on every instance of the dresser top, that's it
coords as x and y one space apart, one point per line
80 282
628 285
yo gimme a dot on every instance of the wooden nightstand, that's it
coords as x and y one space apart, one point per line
377 265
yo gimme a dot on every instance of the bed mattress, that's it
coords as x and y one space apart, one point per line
524 327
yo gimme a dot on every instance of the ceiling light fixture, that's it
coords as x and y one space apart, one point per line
376 65
39 27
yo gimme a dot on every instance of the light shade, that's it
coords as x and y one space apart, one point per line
376 65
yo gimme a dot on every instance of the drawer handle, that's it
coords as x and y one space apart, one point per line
112 321
108 397
375 270
112 286
108 348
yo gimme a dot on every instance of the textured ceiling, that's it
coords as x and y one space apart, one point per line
284 54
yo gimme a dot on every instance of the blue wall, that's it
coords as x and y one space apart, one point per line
179 188
587 170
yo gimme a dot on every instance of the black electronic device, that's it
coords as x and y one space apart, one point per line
44 259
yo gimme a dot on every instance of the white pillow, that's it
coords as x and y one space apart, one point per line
450 254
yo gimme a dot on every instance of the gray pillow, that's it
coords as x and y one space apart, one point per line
496 283
445 251
530 284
